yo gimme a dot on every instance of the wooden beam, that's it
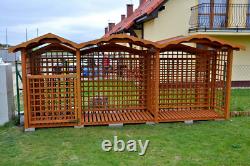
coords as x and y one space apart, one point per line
186 48
213 80
157 84
25 90
113 48
228 83
79 97
148 84
53 47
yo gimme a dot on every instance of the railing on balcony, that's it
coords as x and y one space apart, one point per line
220 17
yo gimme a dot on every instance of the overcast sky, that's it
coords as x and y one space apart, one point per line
77 20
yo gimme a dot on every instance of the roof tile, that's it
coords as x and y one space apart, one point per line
145 9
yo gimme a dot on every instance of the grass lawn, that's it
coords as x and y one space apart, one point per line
240 100
204 143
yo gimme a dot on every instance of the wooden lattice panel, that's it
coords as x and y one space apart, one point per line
150 63
220 81
184 81
113 81
52 100
52 63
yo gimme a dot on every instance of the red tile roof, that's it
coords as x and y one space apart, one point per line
145 9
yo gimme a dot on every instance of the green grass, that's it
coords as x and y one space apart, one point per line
118 92
204 143
240 100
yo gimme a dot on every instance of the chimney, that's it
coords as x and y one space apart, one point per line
130 9
111 26
106 30
123 16
142 2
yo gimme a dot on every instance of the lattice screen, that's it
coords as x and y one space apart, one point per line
113 81
184 81
52 63
52 99
220 85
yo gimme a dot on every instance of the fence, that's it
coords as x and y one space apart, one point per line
241 76
123 79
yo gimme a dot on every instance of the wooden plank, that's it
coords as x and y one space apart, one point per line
102 117
125 116
134 113
52 76
106 117
133 116
129 118
142 115
120 116
78 83
110 117
25 90
51 122
157 84
98 117
228 83
149 115
113 115
90 116
94 117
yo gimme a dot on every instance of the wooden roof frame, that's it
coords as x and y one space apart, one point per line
199 39
185 48
52 47
47 38
114 48
123 38
120 38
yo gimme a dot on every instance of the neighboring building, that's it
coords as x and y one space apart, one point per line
160 19
9 57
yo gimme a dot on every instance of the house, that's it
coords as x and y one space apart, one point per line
156 20
9 57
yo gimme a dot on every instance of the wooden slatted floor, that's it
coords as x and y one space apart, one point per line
170 116
115 117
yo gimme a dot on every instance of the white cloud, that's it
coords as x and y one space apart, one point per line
63 24
86 22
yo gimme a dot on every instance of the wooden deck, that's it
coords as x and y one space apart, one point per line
111 117
171 116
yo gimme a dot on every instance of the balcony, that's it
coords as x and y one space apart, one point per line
209 17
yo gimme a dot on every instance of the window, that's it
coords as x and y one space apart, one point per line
248 15
213 13
204 13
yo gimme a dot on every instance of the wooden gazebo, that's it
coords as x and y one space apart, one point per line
123 79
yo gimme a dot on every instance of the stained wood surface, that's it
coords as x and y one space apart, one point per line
123 79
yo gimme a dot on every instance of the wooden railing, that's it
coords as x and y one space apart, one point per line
220 17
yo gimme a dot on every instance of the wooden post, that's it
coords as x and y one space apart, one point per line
148 83
25 90
213 82
79 97
157 84
228 83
